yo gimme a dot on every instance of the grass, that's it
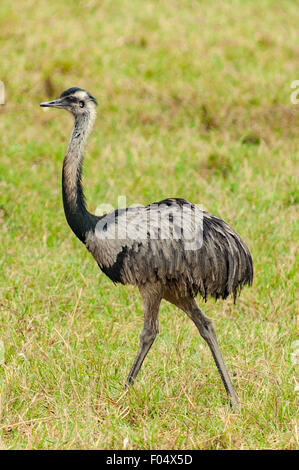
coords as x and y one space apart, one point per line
194 102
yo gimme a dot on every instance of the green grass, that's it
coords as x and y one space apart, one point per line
194 102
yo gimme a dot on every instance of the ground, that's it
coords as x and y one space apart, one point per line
194 102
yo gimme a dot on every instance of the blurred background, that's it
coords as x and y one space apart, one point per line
194 102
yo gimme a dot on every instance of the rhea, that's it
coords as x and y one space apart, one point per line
171 249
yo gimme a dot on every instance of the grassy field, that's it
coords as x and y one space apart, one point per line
194 102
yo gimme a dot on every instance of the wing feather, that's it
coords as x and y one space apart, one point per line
174 242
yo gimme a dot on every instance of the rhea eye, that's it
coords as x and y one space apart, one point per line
81 104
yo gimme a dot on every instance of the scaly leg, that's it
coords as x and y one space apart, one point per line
151 300
206 329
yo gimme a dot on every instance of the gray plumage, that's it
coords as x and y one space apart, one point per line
171 249
221 266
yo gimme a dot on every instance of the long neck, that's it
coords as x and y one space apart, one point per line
79 219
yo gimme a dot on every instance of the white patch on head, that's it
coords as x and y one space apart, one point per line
81 95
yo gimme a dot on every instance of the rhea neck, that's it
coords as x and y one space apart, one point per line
78 218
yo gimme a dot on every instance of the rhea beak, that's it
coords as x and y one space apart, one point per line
60 103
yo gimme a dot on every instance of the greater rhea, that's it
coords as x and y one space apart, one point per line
170 250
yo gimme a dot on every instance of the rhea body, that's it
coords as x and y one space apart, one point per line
218 263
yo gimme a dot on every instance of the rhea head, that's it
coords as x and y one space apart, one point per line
75 100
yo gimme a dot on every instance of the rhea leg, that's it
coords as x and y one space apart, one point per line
151 300
206 329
